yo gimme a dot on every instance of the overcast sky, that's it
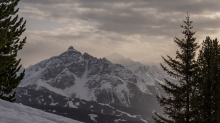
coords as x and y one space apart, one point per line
142 30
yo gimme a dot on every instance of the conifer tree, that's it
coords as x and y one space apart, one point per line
11 28
206 96
177 106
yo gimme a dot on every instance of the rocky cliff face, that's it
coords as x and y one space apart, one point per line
83 76
150 74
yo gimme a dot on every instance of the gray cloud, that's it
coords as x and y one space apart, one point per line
45 44
129 16
129 27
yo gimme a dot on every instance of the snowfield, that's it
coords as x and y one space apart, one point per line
18 113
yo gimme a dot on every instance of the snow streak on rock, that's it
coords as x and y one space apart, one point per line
83 76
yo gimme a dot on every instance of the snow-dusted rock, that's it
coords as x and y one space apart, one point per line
83 76
150 74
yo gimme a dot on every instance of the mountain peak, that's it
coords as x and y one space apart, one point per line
71 48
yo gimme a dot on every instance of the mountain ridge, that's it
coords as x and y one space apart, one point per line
77 75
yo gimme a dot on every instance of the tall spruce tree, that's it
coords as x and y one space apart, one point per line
11 28
177 106
206 96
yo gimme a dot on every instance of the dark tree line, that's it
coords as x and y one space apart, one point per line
206 82
11 28
196 97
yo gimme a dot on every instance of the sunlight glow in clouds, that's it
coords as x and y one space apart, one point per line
142 30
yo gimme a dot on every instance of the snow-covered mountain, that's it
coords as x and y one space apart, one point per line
18 113
83 76
150 74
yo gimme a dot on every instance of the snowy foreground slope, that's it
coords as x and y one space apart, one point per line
18 113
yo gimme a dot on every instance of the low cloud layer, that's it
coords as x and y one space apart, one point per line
141 29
